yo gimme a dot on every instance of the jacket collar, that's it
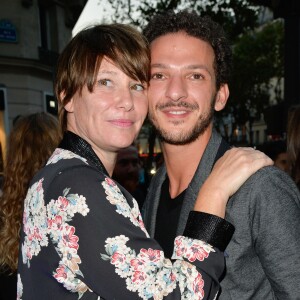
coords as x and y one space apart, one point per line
79 146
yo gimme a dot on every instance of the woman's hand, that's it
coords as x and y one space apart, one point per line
227 176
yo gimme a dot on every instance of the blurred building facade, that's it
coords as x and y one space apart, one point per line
32 34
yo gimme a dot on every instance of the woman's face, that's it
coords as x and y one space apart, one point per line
111 116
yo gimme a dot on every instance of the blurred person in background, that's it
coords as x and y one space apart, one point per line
127 172
277 151
293 142
31 142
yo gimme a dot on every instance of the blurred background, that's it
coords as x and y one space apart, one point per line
265 36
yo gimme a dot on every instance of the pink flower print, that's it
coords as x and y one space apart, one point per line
24 218
172 277
55 223
61 274
198 285
36 234
139 277
63 202
117 258
28 253
150 255
140 221
109 181
178 241
137 264
40 185
179 247
68 237
196 252
30 235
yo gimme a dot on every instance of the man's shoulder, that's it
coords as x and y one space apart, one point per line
270 175
269 184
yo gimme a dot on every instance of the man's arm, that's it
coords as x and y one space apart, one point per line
276 229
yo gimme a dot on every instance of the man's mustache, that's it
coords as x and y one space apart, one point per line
184 104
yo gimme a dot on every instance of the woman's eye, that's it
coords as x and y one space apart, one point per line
137 87
105 82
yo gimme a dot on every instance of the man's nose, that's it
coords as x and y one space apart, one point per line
176 89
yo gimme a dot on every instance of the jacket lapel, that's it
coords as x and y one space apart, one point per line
215 149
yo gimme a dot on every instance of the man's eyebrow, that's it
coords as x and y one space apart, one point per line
192 67
199 67
187 67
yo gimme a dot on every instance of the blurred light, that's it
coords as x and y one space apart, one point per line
152 171
52 103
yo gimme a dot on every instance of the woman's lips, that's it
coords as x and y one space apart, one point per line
125 123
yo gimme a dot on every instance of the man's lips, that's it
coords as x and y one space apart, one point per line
125 123
182 109
176 112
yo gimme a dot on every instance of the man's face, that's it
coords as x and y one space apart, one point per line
182 93
127 166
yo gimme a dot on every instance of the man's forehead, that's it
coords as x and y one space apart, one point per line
191 50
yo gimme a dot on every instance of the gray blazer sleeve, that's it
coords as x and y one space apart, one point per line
275 217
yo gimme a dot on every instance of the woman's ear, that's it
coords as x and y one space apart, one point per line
222 97
69 105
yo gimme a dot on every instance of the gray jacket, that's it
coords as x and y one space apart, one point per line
263 257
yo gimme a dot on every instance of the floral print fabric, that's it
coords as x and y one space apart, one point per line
83 237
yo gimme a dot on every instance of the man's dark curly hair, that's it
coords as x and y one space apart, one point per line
203 28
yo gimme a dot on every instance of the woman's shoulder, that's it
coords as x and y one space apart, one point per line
68 167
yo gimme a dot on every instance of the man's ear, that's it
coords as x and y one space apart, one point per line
222 97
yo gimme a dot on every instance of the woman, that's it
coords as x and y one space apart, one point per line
31 142
83 235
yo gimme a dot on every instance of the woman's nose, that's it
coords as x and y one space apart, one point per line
126 100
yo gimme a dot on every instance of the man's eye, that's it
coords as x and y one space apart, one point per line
197 76
157 76
104 82
137 87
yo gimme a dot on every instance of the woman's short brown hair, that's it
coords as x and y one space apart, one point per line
80 61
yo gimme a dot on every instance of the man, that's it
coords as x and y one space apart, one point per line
127 173
190 64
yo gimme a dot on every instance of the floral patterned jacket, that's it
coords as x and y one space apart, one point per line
83 238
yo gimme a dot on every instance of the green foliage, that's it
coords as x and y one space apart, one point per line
236 16
258 59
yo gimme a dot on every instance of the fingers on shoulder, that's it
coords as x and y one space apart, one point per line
249 159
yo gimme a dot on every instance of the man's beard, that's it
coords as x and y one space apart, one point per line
185 137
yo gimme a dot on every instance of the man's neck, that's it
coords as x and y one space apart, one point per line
182 161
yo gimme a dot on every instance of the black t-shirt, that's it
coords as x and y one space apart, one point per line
167 219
